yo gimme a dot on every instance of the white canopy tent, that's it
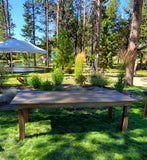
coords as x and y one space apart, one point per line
18 46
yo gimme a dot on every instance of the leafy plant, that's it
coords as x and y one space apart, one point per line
119 86
46 86
92 58
79 60
65 50
57 76
2 75
98 80
80 79
35 82
58 88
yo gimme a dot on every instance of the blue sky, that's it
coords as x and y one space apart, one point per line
17 12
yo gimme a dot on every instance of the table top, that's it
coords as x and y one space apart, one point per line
108 97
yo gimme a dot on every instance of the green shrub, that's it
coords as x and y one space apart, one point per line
2 75
57 76
35 82
79 60
98 80
65 47
119 86
80 79
58 88
26 80
46 86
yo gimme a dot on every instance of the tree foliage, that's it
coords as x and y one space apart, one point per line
108 43
65 56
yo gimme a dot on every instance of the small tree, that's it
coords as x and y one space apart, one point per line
2 75
64 57
79 60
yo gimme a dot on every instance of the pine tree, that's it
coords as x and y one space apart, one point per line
29 29
64 57
108 44
2 26
143 32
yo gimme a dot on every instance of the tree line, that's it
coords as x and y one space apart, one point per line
93 26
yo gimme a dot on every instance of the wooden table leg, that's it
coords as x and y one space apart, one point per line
145 109
21 116
110 109
26 114
125 116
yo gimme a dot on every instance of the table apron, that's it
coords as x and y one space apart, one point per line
72 105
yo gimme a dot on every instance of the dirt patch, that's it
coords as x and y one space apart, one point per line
18 87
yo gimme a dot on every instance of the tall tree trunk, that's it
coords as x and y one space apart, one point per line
134 36
33 9
84 26
77 26
58 5
141 56
5 19
8 19
46 15
98 27
9 31
92 33
60 9
80 1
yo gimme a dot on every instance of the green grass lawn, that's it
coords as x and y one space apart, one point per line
66 134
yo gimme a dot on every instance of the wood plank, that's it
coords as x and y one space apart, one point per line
110 110
21 115
125 118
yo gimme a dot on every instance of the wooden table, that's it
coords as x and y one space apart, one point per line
145 109
26 100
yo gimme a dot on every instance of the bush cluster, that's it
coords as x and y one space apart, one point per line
36 82
57 78
98 80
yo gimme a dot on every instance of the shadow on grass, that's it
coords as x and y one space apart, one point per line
84 134
66 121
78 123
9 118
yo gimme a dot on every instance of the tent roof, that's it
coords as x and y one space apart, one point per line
16 46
